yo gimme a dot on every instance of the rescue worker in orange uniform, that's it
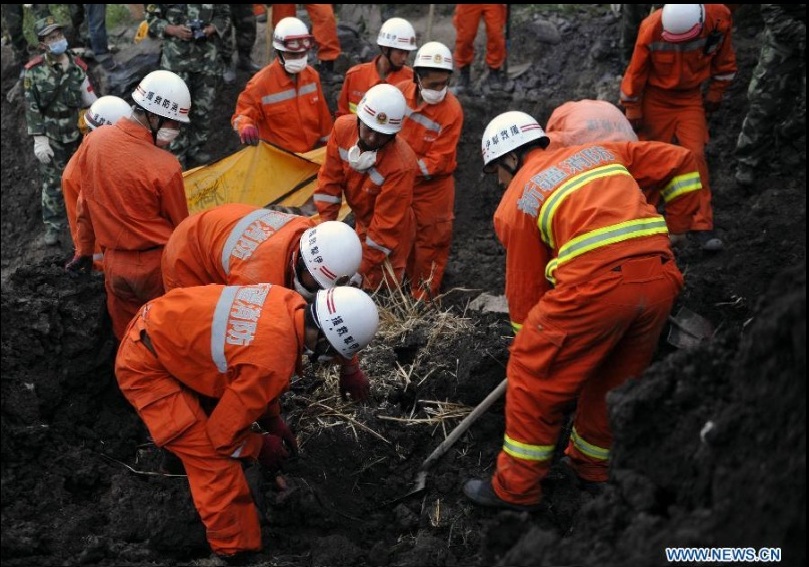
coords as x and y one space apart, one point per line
590 283
284 103
466 20
106 110
432 127
678 49
132 195
324 28
375 171
582 121
237 346
396 40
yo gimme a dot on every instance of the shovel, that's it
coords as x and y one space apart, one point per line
688 329
460 429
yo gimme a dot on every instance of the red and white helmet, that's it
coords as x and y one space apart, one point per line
106 110
508 132
397 33
434 55
164 93
331 251
382 109
292 35
682 22
348 318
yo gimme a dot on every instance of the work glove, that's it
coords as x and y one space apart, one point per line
79 264
273 453
249 135
353 381
42 149
711 106
277 426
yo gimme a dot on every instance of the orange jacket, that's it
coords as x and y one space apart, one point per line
380 197
575 212
233 244
237 344
362 77
680 69
433 131
586 121
292 114
132 191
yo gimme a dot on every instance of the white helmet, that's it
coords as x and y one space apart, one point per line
397 33
164 93
106 110
434 55
382 109
292 35
331 251
682 22
507 132
348 318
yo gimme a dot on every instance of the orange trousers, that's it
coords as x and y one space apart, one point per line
131 278
467 20
177 422
433 206
324 26
578 343
679 118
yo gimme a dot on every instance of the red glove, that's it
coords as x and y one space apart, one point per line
249 135
273 453
79 264
353 381
277 426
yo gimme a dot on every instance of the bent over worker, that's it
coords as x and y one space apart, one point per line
375 170
678 49
237 345
590 282
132 195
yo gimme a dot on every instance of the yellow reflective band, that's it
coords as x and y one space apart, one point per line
592 451
545 220
352 107
681 185
637 228
516 327
527 452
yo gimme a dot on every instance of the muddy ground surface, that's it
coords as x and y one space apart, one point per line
710 443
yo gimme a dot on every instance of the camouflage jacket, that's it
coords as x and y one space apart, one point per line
201 56
53 97
787 22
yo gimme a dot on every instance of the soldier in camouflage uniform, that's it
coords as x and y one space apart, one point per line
57 88
192 40
244 30
779 74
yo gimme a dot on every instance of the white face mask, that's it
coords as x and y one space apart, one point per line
359 160
295 66
165 136
433 97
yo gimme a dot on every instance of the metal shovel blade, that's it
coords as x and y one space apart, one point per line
689 329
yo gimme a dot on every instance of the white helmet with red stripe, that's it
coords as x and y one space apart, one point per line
331 252
382 109
348 318
682 22
508 132
106 110
164 93
397 33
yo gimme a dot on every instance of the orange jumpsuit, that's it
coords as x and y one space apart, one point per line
380 199
663 86
467 20
362 77
591 278
290 112
233 244
434 132
324 26
585 121
236 345
132 198
71 190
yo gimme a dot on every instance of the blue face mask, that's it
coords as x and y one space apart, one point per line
58 47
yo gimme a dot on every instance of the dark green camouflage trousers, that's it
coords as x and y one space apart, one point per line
777 99
193 136
243 28
53 202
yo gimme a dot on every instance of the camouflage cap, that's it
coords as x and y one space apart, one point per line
44 26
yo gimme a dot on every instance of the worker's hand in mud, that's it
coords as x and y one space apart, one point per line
79 264
354 382
249 135
273 452
277 426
